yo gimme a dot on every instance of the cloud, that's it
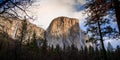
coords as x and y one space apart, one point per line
46 10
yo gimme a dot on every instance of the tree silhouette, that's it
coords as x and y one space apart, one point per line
117 9
110 47
98 26
8 7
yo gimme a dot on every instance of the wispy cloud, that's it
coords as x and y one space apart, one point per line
46 10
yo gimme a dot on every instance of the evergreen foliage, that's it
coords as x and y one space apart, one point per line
44 52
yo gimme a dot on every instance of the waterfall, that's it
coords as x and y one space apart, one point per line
15 31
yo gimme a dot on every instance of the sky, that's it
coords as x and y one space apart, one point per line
44 11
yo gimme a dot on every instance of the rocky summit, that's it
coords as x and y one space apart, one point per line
64 31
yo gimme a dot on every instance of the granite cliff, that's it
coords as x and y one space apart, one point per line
65 31
14 27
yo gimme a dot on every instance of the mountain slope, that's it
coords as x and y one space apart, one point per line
14 27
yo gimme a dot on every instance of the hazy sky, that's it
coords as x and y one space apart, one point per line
44 11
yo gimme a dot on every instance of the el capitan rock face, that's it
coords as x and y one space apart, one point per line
65 31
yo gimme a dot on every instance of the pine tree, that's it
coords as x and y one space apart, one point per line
117 11
98 26
18 43
33 42
110 47
23 30
43 50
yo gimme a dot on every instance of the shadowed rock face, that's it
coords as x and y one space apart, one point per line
64 31
13 27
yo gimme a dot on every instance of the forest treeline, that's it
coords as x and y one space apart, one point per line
14 50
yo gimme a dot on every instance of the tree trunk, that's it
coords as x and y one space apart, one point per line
117 12
101 40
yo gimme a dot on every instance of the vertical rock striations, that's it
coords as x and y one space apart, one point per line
65 31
